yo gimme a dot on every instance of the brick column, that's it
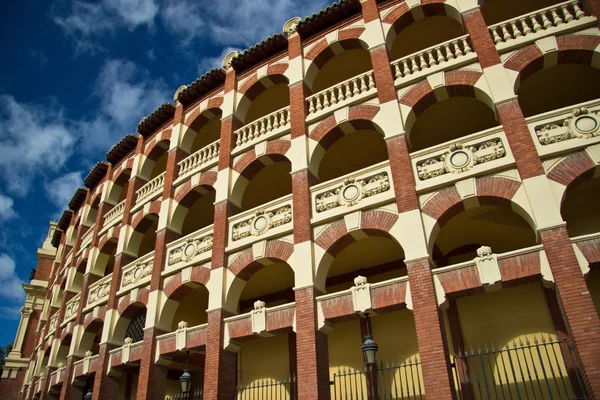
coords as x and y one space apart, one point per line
576 304
68 390
462 367
105 386
592 7
220 376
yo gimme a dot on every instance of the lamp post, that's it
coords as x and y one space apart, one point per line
186 378
369 349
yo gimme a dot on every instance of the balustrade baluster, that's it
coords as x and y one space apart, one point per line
545 21
276 119
333 96
466 46
415 67
422 63
270 123
556 18
311 106
431 58
341 93
568 16
525 26
363 84
516 32
458 51
326 100
319 105
449 54
397 72
238 140
495 36
371 81
440 55
355 85
405 69
578 12
263 127
347 93
506 34
535 24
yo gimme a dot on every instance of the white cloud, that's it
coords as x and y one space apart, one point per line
12 288
39 56
13 313
6 208
233 22
87 21
33 138
60 190
126 94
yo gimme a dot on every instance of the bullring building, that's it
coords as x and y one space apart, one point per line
388 200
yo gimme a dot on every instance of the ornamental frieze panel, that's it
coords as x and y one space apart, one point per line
99 291
191 248
581 124
262 221
140 270
352 191
461 158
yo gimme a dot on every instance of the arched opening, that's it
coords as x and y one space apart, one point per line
432 123
90 340
156 161
130 324
267 95
495 11
349 147
105 263
63 350
118 190
204 130
572 81
338 62
195 210
423 27
272 283
494 224
265 179
143 238
89 218
577 207
188 303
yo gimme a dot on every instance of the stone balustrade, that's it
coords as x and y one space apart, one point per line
138 272
191 249
472 154
357 189
150 188
114 214
275 122
566 129
71 308
547 21
86 239
342 93
98 291
267 219
432 57
200 159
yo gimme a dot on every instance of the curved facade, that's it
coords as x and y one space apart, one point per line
426 172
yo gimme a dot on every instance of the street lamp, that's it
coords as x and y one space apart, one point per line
186 378
88 395
369 347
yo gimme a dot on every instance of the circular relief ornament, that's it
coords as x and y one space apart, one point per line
458 159
583 124
351 192
137 273
189 250
261 223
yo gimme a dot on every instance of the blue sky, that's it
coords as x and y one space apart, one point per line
77 76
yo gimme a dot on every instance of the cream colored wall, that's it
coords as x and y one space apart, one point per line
268 184
272 99
264 358
342 67
503 316
200 214
593 283
209 133
192 309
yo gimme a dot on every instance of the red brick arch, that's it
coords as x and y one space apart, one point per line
244 265
141 214
89 318
198 116
248 165
328 130
572 49
153 143
402 16
275 73
126 302
571 167
208 178
175 289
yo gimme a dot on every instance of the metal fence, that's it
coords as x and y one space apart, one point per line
268 389
193 395
385 381
541 368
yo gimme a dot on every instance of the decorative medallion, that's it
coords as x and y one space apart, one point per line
262 222
190 249
582 124
352 191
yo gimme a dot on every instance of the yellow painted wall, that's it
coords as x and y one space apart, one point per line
192 309
264 358
593 282
505 315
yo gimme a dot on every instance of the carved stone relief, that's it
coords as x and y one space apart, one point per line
582 124
352 191
262 221
190 249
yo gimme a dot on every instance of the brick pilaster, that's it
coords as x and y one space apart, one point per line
480 37
152 381
576 304
592 7
433 349
105 386
68 390
311 348
220 365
